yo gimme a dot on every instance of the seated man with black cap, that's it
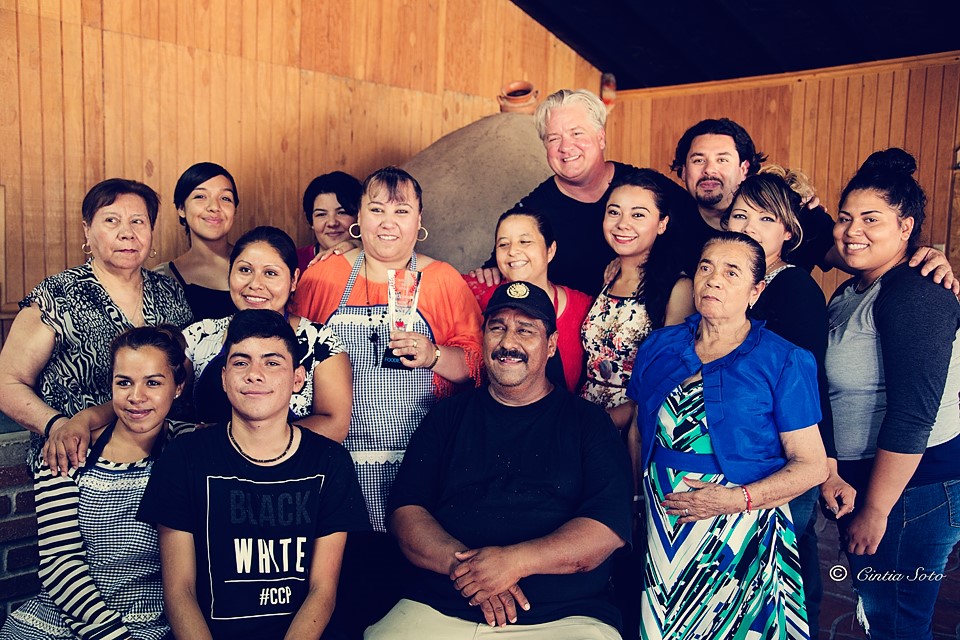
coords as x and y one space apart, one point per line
511 498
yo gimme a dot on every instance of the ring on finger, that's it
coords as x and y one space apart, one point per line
686 512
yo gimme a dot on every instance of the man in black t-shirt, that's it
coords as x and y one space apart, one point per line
511 498
253 514
571 125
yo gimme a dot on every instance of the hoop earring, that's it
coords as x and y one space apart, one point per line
350 231
87 250
153 253
426 234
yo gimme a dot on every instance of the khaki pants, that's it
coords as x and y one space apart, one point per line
410 620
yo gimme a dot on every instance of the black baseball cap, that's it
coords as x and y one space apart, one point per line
527 297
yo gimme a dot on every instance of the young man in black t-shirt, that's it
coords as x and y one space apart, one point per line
511 498
253 515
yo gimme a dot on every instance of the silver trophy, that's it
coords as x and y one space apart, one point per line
403 290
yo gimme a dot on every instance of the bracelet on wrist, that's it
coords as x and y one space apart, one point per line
746 498
50 423
436 358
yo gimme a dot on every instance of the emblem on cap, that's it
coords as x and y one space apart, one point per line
518 290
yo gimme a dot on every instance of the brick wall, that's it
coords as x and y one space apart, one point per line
18 525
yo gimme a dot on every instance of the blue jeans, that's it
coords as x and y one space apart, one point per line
898 586
803 509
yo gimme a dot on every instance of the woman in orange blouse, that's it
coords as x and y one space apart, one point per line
441 349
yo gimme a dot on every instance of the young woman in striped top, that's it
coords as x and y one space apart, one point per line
99 566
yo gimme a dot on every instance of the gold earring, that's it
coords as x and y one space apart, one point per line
153 253
426 234
350 231
87 250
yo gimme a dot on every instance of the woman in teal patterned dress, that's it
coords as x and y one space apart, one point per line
727 413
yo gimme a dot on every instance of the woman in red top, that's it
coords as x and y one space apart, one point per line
525 246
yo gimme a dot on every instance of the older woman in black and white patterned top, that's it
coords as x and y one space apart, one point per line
53 364
263 275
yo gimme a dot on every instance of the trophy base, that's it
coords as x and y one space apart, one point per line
393 361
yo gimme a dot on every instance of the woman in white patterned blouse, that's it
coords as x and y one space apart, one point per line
263 275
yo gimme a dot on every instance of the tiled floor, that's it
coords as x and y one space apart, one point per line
837 618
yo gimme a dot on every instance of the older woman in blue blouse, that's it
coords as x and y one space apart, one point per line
727 413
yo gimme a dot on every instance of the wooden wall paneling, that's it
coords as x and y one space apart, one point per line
560 66
113 103
361 20
111 16
51 217
186 30
462 50
310 33
149 119
130 16
232 23
307 153
74 180
534 52
263 170
249 28
130 86
852 129
868 115
11 248
822 140
29 7
898 108
91 12
186 123
70 12
493 44
93 122
286 32
30 227
934 229
947 143
836 176
884 113
403 51
49 9
586 76
203 100
432 125
167 21
168 232
953 248
199 13
264 30
323 26
219 96
913 112
232 98
797 113
150 19
646 129
246 170
291 140
334 133
808 152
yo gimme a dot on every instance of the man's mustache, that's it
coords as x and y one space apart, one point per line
509 353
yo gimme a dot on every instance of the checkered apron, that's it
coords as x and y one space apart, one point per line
388 404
